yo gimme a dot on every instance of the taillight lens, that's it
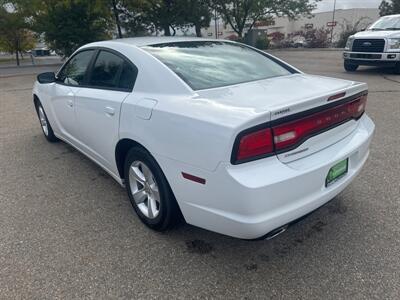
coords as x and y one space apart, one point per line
255 144
289 135
284 137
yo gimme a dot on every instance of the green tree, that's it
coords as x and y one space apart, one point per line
151 15
166 15
158 15
134 18
125 13
68 24
389 7
195 13
116 8
241 14
15 37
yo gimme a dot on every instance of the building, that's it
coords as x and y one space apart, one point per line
287 26
325 20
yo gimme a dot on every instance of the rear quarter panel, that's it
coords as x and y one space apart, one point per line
180 128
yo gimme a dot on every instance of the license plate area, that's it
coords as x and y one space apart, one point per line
337 172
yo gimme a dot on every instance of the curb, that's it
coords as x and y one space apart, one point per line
30 66
17 75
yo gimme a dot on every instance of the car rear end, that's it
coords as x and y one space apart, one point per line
263 144
285 168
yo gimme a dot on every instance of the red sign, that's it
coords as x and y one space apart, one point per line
331 24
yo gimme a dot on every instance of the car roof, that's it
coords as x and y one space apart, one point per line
153 40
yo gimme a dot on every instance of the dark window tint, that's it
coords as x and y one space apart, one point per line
128 76
205 65
106 70
75 70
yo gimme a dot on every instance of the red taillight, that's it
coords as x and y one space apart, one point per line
289 135
255 144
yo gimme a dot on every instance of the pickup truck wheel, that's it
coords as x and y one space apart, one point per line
149 191
397 69
350 67
45 124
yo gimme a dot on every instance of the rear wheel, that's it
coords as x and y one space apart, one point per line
149 191
349 67
45 124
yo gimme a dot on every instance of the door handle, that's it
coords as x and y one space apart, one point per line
109 111
70 103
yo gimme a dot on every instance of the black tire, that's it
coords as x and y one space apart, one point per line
169 213
397 69
49 135
350 67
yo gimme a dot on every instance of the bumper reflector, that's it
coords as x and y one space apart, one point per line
193 178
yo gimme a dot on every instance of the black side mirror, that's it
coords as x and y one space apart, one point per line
47 77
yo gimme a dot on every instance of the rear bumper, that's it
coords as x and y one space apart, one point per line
372 59
250 200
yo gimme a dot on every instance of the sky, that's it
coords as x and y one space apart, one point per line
327 5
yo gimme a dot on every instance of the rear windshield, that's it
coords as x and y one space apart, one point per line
209 64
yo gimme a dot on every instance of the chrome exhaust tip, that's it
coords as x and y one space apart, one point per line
274 233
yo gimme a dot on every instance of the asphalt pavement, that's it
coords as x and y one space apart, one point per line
68 231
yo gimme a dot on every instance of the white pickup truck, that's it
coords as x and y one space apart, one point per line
379 45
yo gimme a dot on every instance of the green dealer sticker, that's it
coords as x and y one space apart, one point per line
337 172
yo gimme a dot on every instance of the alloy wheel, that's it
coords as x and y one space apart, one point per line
43 121
144 189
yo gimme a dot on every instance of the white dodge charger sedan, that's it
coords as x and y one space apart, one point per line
231 138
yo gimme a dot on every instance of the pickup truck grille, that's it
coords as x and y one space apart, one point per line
369 45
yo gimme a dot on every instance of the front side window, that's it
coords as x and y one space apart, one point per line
74 71
106 70
210 64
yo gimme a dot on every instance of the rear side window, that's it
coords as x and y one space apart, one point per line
210 64
128 76
106 70
74 71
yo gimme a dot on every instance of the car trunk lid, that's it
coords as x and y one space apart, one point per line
306 132
292 98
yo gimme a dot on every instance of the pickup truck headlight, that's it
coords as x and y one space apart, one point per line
393 44
349 43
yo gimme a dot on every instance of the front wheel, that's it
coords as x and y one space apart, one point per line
149 191
350 67
397 68
45 124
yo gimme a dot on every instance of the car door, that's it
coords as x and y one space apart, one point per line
98 106
71 77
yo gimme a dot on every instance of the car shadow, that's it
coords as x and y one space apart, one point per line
313 231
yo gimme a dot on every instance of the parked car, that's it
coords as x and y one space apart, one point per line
231 138
379 45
